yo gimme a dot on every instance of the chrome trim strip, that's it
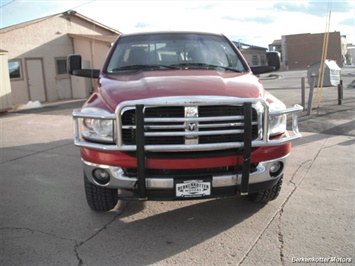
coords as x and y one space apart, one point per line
183 126
292 110
194 119
78 114
195 133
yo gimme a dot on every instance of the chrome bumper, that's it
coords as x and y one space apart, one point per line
119 180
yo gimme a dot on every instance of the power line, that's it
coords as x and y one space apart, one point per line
7 3
80 4
70 8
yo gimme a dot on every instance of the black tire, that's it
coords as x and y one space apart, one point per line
267 195
100 198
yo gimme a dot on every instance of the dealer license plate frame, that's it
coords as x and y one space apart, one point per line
193 188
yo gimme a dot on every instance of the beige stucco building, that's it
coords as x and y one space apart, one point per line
5 86
254 55
37 52
299 51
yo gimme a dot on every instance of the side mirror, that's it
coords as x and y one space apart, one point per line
74 68
274 59
257 70
73 63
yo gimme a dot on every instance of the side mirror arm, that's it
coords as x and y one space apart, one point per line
74 68
262 69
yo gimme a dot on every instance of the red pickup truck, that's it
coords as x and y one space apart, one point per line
180 115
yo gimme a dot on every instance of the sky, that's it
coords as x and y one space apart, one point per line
254 22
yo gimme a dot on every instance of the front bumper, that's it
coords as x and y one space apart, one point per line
118 179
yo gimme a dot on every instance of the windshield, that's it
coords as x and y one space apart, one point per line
173 51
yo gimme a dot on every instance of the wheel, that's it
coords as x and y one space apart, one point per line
267 195
100 198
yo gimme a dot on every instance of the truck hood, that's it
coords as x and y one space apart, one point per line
115 89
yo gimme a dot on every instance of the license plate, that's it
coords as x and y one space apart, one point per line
193 189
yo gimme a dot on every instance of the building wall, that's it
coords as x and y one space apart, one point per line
93 54
46 40
255 57
350 55
5 88
303 50
344 49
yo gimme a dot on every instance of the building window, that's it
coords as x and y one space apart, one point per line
255 60
15 69
61 66
262 60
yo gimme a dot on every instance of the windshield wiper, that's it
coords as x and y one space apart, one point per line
144 67
205 66
227 68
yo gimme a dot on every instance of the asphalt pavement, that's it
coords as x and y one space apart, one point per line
44 218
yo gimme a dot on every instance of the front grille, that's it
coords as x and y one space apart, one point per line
172 125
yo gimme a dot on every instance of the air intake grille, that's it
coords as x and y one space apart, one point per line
170 125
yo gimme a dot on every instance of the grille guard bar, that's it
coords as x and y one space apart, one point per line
192 101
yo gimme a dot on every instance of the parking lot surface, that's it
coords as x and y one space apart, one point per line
44 218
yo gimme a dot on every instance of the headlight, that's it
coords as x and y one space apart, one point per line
97 128
277 123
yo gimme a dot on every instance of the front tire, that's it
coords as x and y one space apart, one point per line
268 194
100 198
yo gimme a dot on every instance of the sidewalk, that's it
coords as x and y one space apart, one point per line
330 117
315 223
316 220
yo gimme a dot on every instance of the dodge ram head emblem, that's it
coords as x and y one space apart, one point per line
192 126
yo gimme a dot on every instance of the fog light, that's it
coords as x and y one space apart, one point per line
101 176
276 169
